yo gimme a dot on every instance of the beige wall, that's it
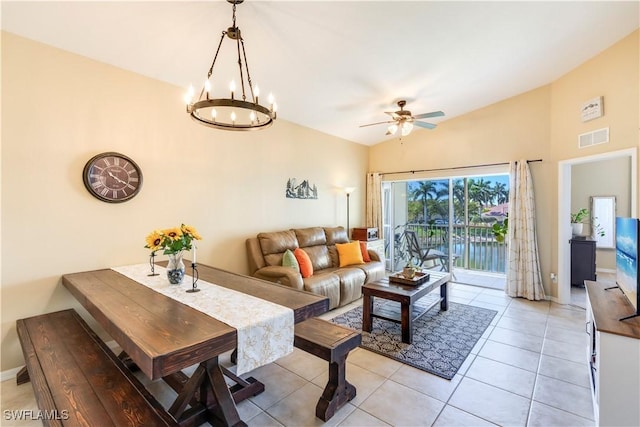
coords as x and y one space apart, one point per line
614 75
543 123
60 109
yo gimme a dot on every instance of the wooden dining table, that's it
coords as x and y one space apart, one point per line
162 336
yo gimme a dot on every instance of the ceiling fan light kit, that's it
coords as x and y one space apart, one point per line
403 120
231 113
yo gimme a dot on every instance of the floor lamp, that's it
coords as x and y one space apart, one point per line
348 190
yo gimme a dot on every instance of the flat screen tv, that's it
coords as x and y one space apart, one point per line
627 279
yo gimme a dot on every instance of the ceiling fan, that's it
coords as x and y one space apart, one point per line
403 120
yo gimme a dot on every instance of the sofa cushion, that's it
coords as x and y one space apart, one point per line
274 244
326 284
319 257
365 252
374 270
289 260
306 267
312 236
351 281
336 235
333 256
349 253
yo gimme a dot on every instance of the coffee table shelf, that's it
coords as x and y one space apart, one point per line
393 312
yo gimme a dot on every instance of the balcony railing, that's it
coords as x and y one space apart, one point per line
475 245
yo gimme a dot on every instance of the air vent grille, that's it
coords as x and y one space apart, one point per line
595 137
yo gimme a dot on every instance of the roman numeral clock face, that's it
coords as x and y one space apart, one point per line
112 177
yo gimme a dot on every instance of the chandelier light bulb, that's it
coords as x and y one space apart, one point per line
252 116
232 87
275 107
207 86
271 99
256 92
214 113
233 116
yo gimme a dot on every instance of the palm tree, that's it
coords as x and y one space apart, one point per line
500 192
424 191
480 191
440 206
458 199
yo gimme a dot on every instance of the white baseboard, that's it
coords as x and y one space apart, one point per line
10 374
605 270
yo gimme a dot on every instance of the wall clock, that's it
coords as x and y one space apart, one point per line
112 177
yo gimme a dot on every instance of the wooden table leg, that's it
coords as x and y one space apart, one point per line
367 311
208 387
444 296
406 322
223 395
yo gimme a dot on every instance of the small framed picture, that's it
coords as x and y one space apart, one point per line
592 109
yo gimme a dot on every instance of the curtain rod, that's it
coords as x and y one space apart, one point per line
454 168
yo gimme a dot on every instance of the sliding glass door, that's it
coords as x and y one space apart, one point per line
451 216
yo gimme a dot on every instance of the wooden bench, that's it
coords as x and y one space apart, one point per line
77 380
332 343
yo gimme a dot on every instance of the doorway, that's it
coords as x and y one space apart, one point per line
564 210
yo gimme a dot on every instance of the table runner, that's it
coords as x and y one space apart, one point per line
265 330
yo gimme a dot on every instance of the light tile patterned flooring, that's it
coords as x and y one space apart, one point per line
529 368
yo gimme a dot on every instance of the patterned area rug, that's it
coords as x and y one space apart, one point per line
442 340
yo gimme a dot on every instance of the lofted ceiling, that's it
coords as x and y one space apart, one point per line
336 65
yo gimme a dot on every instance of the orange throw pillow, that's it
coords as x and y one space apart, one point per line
306 268
349 253
365 252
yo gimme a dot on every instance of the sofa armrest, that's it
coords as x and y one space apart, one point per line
283 275
374 255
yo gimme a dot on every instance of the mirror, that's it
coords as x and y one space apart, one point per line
603 221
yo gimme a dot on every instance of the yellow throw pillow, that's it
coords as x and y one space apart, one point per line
349 253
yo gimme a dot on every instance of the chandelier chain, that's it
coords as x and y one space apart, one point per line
244 53
210 72
234 14
244 97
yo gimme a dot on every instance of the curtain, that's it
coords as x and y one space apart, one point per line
523 275
374 202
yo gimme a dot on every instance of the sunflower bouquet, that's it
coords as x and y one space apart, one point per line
172 240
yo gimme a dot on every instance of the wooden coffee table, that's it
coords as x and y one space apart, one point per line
406 295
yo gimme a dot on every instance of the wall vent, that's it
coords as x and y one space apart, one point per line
595 137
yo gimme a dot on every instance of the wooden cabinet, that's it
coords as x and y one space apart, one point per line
614 356
583 261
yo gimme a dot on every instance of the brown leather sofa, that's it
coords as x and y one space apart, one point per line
341 285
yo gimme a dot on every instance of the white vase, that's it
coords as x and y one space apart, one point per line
576 228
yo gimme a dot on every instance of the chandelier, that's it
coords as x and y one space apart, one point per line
232 113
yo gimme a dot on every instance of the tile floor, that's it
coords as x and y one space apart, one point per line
529 368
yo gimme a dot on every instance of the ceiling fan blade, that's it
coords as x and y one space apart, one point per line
424 125
427 115
378 123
